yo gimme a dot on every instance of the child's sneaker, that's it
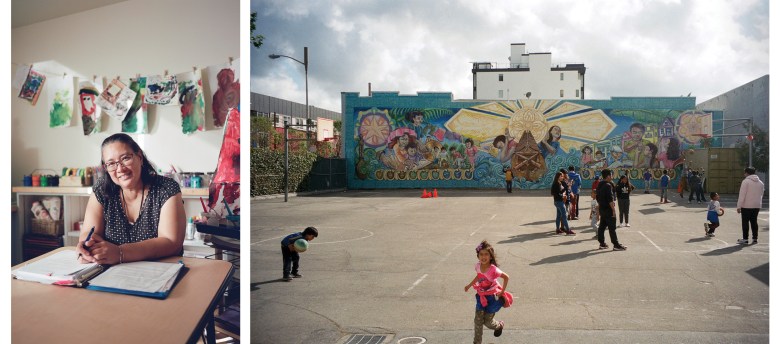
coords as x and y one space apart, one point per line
603 246
619 247
297 275
742 241
706 228
620 225
627 224
755 241
558 231
570 232
500 330
287 278
710 235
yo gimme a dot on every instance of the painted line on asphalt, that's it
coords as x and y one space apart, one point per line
419 280
434 267
257 242
483 224
648 239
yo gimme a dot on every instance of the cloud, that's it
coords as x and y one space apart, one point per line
630 48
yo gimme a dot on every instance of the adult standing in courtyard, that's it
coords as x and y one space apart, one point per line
605 198
751 193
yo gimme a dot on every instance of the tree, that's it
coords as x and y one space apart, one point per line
257 40
760 150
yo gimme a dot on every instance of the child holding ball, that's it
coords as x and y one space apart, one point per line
290 255
713 211
491 295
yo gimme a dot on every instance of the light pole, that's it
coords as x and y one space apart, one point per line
305 64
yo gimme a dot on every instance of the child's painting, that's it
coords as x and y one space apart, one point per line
20 76
193 106
86 105
225 187
60 96
161 90
225 86
116 99
136 121
32 86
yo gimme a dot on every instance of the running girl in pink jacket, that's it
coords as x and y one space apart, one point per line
490 294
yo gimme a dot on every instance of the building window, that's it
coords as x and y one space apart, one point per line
577 93
561 76
501 77
561 93
501 94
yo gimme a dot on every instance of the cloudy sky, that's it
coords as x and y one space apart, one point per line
629 47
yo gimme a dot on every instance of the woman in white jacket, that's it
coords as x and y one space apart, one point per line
749 203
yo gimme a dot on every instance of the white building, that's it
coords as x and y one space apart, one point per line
528 75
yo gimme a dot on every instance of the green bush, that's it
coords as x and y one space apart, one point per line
267 175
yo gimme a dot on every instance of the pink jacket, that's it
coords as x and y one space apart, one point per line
750 192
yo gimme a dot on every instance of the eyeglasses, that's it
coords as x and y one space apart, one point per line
125 160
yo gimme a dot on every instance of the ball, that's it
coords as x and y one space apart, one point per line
301 245
721 211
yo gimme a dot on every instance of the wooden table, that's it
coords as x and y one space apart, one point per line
43 313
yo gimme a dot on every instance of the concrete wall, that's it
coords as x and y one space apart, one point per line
750 100
468 144
132 37
542 83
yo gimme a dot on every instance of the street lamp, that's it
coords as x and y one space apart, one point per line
305 64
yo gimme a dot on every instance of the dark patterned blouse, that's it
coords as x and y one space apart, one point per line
119 230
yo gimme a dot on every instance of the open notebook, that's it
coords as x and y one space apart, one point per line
150 279
61 268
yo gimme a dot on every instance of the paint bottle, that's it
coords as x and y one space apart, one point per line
36 180
27 180
196 181
190 234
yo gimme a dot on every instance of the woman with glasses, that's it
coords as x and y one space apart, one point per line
136 213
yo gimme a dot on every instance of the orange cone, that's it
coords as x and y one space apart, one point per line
435 193
425 194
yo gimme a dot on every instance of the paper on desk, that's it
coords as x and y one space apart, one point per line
149 277
63 263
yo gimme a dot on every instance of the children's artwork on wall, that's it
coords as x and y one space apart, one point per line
136 121
161 90
60 96
20 76
405 141
116 99
226 182
226 89
193 106
86 105
32 86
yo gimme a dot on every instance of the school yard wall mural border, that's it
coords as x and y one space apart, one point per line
429 140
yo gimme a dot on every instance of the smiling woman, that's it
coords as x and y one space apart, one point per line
136 213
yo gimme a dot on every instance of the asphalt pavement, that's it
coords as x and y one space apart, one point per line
390 267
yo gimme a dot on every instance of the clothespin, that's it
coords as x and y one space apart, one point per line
166 72
94 77
194 69
64 75
230 60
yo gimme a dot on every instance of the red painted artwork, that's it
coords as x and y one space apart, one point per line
226 97
227 178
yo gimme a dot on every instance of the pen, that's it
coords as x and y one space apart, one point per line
89 236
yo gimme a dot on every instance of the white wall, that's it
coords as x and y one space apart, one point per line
543 84
125 39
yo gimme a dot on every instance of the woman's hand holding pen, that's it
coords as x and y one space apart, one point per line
102 251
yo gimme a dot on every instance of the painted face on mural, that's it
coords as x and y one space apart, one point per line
555 131
417 119
637 133
403 140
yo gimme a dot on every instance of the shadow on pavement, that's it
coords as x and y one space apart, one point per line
725 250
761 273
256 285
526 237
567 257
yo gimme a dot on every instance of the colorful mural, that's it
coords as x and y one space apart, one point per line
470 146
